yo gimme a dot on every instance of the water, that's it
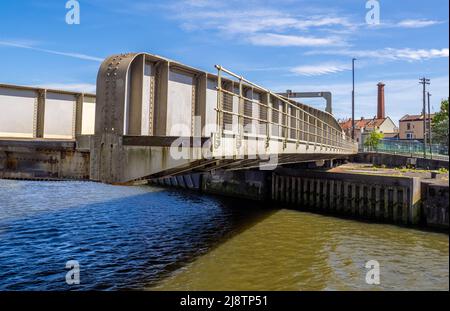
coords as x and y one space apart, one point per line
152 238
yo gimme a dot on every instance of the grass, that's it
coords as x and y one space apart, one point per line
443 170
398 170
411 170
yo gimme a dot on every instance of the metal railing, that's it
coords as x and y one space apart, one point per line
291 122
411 148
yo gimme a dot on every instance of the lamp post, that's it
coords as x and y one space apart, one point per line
353 98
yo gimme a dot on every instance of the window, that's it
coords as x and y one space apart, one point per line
408 126
409 135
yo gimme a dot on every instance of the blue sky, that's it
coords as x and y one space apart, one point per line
303 45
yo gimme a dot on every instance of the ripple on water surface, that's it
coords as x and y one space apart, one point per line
291 250
123 237
146 237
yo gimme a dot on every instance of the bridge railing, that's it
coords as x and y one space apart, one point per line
33 112
274 116
412 148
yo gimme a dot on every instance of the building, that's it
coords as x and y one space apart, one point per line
380 122
411 126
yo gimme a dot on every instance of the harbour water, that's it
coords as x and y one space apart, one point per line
134 238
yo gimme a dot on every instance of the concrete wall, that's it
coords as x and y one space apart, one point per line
399 200
35 160
253 185
381 198
189 181
377 198
435 203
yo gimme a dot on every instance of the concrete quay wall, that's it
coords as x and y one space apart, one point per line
384 199
41 160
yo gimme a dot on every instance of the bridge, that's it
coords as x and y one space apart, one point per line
155 118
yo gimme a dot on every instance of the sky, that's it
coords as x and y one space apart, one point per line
301 45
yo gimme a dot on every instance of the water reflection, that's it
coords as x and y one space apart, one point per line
151 238
123 237
291 250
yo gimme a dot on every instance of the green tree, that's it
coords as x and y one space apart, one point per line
374 140
439 125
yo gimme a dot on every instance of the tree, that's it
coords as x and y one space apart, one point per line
439 125
374 140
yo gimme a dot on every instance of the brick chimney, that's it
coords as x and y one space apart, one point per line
381 109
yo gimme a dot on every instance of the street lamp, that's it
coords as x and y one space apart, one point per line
353 98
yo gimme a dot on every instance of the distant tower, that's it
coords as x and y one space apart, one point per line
381 112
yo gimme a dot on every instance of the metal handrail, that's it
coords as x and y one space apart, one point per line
413 154
318 131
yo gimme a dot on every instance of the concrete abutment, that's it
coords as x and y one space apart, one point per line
383 199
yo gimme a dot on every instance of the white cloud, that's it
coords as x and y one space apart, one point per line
403 96
406 23
406 54
410 54
231 21
417 23
259 24
18 43
198 3
272 39
323 21
321 69
29 46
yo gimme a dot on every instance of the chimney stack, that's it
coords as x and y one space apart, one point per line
381 110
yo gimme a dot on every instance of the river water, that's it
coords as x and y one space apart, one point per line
159 239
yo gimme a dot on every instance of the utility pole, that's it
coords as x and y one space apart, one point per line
424 81
430 141
353 98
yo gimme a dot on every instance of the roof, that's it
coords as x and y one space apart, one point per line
375 122
414 117
362 123
391 135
